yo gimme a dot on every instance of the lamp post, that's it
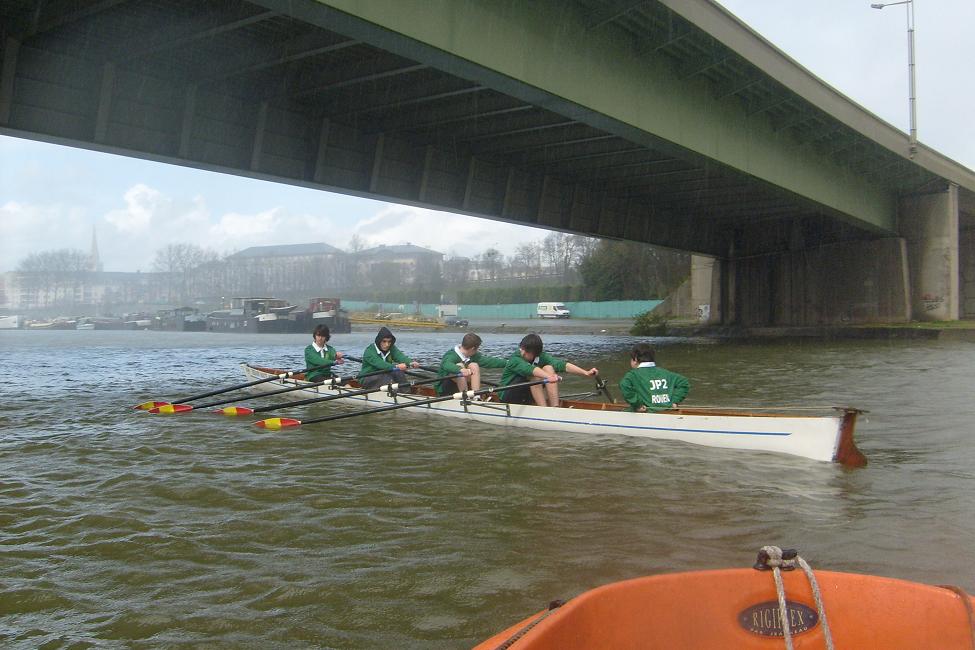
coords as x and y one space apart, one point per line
909 5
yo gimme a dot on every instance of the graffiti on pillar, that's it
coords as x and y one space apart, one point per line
703 313
932 302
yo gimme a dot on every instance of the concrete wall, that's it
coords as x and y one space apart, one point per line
706 289
849 283
929 224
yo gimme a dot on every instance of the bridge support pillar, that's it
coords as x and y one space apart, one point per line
836 284
706 303
929 224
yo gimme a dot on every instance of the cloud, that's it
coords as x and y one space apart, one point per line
140 204
235 227
149 210
453 234
27 228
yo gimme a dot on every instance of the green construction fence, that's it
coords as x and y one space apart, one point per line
612 309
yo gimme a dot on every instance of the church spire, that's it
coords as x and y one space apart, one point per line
94 264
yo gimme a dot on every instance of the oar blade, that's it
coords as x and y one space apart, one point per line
145 406
232 411
277 423
171 409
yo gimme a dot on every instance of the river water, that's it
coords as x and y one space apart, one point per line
123 529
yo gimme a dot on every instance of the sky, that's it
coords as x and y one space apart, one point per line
53 196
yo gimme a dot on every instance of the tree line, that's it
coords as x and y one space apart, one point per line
594 269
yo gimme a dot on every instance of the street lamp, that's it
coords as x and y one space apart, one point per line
912 150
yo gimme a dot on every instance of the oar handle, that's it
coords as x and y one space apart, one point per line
467 394
358 360
602 386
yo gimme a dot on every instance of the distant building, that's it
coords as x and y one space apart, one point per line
81 291
285 269
404 264
289 253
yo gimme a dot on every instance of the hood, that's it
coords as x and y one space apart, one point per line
384 333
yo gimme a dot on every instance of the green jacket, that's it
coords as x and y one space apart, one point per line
322 362
450 361
374 360
517 370
654 387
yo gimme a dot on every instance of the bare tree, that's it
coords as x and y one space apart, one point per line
584 246
456 270
63 260
356 244
492 261
527 258
57 272
177 260
560 250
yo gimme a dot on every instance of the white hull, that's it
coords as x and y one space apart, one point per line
825 437
11 322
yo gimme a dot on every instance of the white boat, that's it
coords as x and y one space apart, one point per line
13 322
824 437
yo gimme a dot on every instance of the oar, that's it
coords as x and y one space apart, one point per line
604 387
170 409
243 410
147 406
282 423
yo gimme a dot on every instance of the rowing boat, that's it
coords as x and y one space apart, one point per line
742 609
825 437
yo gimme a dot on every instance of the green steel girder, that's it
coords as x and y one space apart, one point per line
542 52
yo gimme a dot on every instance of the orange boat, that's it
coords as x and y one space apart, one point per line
739 609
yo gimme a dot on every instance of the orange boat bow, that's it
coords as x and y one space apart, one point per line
737 608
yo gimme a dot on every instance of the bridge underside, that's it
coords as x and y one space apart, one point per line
236 87
299 92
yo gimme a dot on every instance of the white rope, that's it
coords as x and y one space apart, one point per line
819 601
773 559
783 610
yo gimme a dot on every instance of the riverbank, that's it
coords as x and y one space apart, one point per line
943 331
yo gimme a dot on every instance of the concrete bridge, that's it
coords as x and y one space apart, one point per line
661 121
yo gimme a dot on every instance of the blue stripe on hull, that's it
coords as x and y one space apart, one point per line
624 426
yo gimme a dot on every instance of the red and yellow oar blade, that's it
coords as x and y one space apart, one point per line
231 411
170 409
145 406
277 423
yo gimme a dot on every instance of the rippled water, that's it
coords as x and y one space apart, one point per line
118 528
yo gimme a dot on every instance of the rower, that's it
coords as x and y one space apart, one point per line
320 357
384 355
468 361
648 387
531 362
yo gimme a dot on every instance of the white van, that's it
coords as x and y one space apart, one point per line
552 310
